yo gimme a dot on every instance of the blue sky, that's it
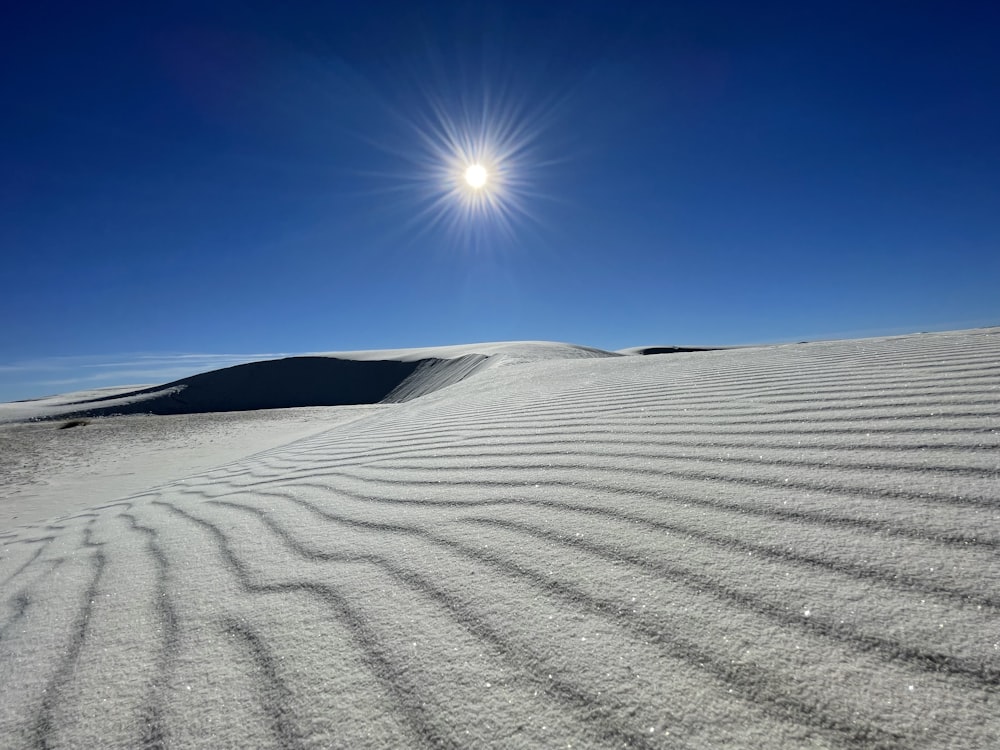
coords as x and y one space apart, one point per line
233 180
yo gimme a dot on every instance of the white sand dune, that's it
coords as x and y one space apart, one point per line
775 547
334 379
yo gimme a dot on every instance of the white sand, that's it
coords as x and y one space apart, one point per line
776 547
332 379
49 472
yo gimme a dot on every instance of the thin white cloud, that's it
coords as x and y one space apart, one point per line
193 359
126 377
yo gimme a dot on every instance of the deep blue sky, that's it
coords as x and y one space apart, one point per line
247 178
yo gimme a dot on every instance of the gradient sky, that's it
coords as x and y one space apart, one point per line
227 180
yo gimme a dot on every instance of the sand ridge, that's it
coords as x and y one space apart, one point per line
777 547
332 379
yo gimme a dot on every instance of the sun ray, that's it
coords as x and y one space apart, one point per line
471 165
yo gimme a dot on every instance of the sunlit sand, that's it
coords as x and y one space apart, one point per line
513 545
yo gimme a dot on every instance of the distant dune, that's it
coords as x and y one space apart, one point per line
336 379
521 545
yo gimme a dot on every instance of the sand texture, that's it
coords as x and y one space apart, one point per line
775 547
48 471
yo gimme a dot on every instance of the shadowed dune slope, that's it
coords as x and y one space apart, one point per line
272 384
645 350
782 547
333 379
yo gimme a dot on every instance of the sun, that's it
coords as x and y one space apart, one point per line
476 176
472 162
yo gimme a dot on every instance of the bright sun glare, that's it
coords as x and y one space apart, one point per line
474 161
476 175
